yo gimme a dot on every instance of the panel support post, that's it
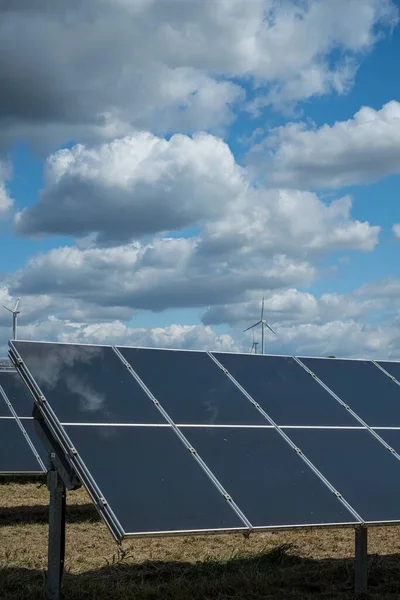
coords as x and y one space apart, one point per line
361 560
56 546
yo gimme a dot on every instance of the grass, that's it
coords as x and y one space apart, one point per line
297 565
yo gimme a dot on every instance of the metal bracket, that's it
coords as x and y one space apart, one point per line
57 458
361 560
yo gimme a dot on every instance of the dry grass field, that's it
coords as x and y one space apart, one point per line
286 565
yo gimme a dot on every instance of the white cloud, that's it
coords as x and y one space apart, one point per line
360 150
396 230
164 274
135 185
144 184
287 307
6 202
169 65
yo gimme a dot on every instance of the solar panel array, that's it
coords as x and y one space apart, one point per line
173 441
20 449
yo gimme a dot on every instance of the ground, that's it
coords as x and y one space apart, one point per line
297 565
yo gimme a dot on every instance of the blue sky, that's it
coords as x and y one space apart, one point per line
161 189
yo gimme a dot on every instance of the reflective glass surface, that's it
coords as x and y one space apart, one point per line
364 387
17 393
285 390
392 437
16 455
191 387
87 384
358 466
150 479
266 478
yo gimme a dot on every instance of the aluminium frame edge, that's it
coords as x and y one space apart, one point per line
60 435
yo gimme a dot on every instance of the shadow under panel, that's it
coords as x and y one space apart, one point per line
150 479
87 384
359 466
270 483
360 384
16 456
285 390
191 387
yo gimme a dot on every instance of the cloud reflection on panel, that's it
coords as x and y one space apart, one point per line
85 384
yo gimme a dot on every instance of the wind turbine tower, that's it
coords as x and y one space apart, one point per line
254 346
15 314
263 324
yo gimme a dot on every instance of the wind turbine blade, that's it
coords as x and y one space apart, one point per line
9 309
17 304
251 326
270 328
262 309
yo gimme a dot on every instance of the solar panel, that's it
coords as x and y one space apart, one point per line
17 393
266 478
191 387
285 390
87 384
16 454
359 467
363 386
151 481
18 444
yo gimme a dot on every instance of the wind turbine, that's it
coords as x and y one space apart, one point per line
254 346
263 324
15 314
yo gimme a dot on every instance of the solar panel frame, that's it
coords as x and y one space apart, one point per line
58 431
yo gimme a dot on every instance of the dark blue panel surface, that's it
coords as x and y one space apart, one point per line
360 468
364 387
266 478
191 387
16 456
150 479
285 390
87 384
17 393
391 367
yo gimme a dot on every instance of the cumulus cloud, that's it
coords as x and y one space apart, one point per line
362 149
136 185
291 306
169 65
165 274
144 184
396 230
6 202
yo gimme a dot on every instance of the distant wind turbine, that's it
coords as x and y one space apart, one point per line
15 314
263 324
254 346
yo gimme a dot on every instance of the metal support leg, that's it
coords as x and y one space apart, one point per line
56 549
361 560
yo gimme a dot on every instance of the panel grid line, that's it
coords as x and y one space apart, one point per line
350 410
290 442
186 443
392 377
23 431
